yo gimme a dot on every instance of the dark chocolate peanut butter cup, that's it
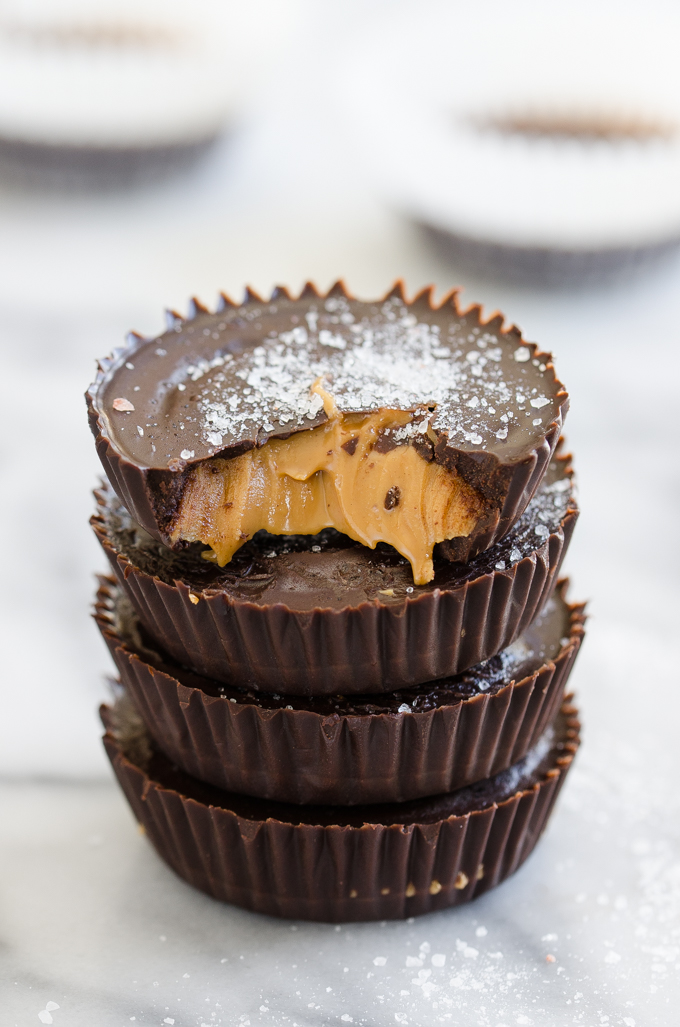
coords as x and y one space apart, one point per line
332 863
322 615
349 751
482 404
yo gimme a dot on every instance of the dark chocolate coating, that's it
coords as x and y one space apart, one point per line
348 751
321 615
220 384
333 864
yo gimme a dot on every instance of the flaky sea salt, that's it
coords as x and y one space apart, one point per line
389 358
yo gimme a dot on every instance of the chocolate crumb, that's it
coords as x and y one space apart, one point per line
350 446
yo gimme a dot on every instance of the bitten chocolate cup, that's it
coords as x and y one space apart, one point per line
485 404
321 615
390 748
333 864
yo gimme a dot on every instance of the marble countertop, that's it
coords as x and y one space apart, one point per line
94 930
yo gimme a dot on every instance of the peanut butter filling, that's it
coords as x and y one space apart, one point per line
342 474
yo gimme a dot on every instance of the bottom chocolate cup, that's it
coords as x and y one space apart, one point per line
356 749
332 863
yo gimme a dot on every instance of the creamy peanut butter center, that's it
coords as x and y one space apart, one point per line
357 473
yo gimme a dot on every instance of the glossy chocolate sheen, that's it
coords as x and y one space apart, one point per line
333 864
348 751
321 615
220 384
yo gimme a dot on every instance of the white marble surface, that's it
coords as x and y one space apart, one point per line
90 920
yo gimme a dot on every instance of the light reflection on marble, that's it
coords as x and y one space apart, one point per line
89 917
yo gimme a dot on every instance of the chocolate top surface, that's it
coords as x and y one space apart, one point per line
220 383
497 789
328 570
557 627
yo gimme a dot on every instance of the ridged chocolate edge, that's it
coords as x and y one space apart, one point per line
370 648
301 756
342 874
149 493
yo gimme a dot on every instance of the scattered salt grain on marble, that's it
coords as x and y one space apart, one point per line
481 932
438 959
413 961
380 960
45 1015
467 950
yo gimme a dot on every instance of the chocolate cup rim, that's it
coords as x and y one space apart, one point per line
98 525
275 649
219 752
572 722
129 478
188 834
577 622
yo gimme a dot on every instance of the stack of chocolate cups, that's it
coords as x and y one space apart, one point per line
335 530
